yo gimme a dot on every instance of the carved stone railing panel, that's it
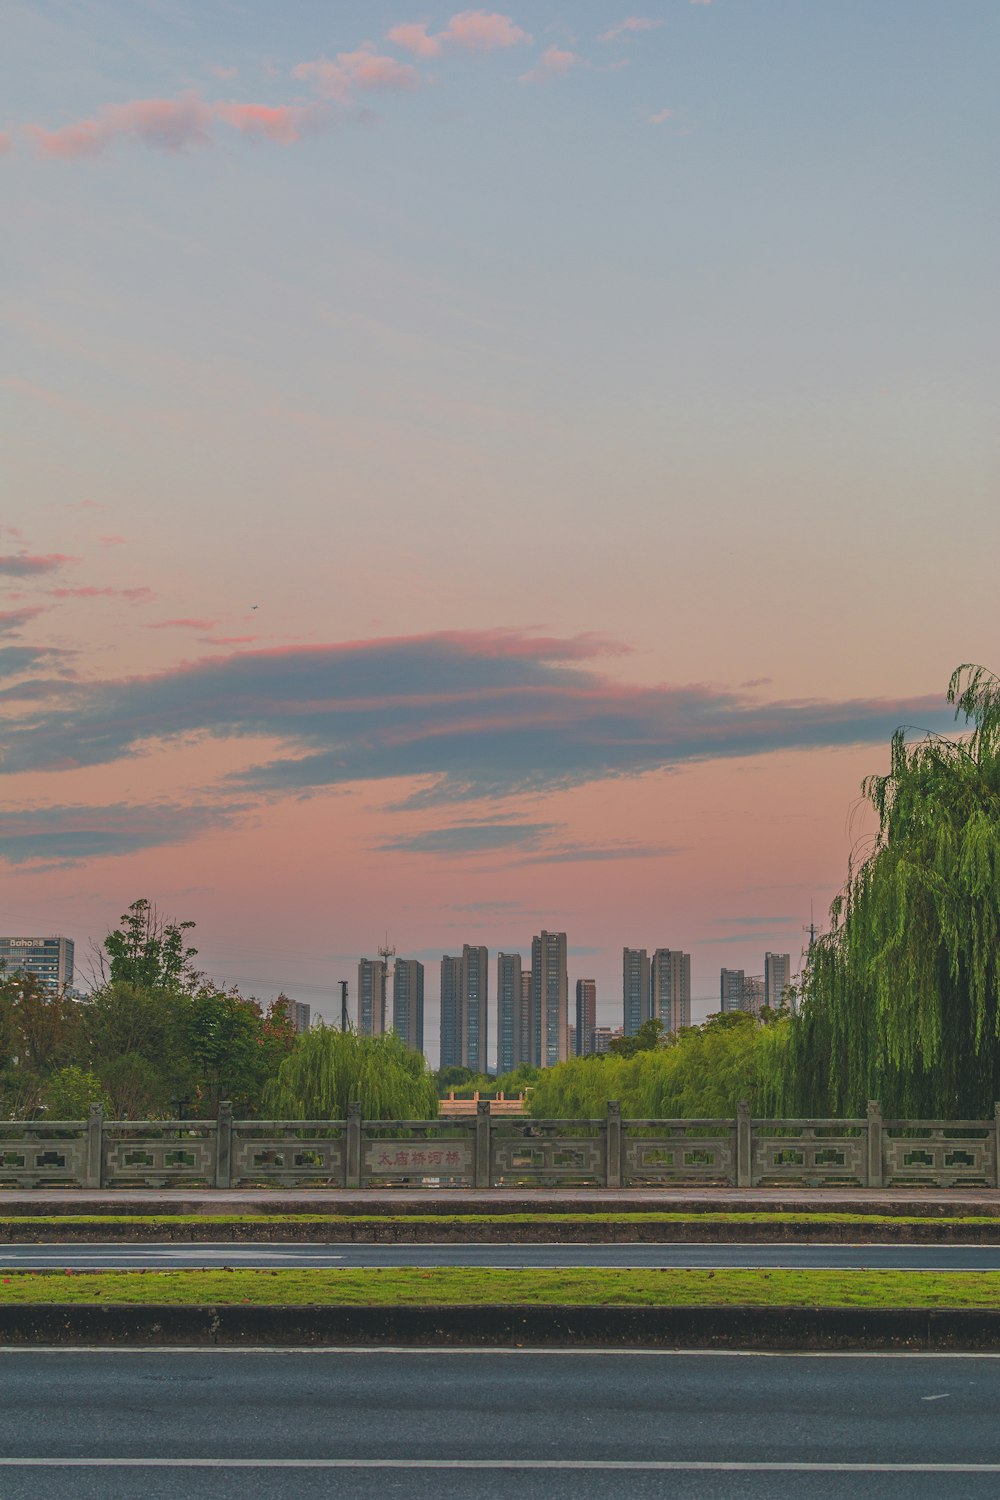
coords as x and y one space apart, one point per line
418 1153
159 1153
664 1152
289 1153
953 1153
548 1153
813 1153
50 1153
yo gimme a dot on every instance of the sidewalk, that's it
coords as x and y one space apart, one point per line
929 1201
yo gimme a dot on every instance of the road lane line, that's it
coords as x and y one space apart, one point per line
674 1466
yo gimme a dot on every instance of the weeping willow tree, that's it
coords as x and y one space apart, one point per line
901 1000
329 1070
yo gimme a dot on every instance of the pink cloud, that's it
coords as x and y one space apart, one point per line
6 142
28 565
113 541
661 116
482 31
467 31
281 123
229 640
169 124
349 71
554 63
413 37
223 72
134 595
631 24
182 622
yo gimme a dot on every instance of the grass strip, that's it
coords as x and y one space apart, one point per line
473 1286
761 1217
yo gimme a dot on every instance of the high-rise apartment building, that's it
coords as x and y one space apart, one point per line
514 1030
777 978
586 1016
732 985
465 1008
550 998
753 994
635 988
49 959
300 1016
371 996
408 1002
670 988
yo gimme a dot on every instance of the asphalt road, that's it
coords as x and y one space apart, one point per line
237 1424
165 1256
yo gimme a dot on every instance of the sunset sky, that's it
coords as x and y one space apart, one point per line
469 472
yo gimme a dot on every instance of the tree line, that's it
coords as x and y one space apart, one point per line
899 1001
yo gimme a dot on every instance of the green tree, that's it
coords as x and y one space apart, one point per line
648 1038
148 952
69 1094
901 1000
329 1070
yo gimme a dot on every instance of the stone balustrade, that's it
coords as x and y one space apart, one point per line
484 1151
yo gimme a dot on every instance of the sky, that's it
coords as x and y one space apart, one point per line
470 472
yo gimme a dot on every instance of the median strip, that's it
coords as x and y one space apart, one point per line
462 1286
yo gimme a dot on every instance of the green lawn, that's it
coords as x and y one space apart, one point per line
472 1286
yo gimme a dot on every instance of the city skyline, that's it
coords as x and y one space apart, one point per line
476 471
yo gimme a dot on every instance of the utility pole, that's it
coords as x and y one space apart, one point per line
345 1022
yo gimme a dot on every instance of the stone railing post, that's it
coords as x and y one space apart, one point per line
874 1143
481 1165
224 1146
744 1146
94 1169
613 1144
353 1177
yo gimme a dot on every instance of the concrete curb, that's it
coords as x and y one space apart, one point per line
747 1328
589 1231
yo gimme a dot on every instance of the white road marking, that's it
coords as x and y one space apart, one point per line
373 1351
943 1397
706 1466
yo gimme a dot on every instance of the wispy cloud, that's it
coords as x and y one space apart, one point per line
470 838
12 621
6 142
180 124
467 31
479 714
554 62
661 116
182 622
91 591
349 72
568 854
15 660
28 565
71 835
629 26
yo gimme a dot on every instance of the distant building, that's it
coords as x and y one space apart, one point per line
508 1010
571 1039
49 959
465 1008
550 999
603 1037
732 984
777 978
586 1016
408 1002
371 996
635 989
670 988
300 1016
